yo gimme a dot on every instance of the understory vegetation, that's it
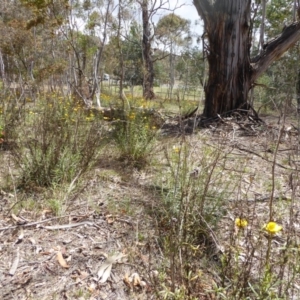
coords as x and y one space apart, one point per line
223 224
149 156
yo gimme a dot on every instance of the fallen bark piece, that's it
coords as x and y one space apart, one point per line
61 260
15 264
105 269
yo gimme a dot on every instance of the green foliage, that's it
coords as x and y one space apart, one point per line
191 209
131 55
134 135
171 27
278 83
191 67
278 12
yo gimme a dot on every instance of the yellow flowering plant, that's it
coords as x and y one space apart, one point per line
134 136
241 222
272 227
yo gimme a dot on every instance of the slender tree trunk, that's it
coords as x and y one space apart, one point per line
123 97
262 25
148 81
98 59
171 74
2 69
298 92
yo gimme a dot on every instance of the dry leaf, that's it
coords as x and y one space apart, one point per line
110 219
136 279
104 272
83 275
105 269
15 264
44 252
127 280
143 284
92 287
61 260
32 241
20 237
154 273
18 220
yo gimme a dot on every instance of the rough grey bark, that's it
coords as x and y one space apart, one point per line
232 72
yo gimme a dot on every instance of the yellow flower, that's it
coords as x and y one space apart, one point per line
272 227
241 223
176 149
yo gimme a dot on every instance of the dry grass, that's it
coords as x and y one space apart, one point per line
174 220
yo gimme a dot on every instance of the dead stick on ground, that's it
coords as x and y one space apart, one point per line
33 223
251 152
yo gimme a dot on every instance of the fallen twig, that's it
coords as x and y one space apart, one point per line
260 156
41 222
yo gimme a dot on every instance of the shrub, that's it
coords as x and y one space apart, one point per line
56 143
134 135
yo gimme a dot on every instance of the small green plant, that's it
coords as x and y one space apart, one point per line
188 215
55 206
134 136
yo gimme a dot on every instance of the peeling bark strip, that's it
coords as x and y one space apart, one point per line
231 70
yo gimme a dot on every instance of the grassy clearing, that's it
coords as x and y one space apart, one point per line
217 223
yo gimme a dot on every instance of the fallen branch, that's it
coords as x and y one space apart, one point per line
260 156
48 227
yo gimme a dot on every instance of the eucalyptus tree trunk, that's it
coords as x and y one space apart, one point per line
2 69
148 81
232 72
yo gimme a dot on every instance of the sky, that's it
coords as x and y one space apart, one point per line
186 9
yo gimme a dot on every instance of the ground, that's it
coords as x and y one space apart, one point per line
52 251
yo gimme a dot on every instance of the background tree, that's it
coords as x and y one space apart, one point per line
30 41
276 87
132 49
190 67
88 48
170 30
147 39
232 72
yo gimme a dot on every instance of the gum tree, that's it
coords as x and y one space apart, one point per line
232 71
169 31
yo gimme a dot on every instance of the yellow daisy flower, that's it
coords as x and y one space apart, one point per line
272 227
241 223
176 149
